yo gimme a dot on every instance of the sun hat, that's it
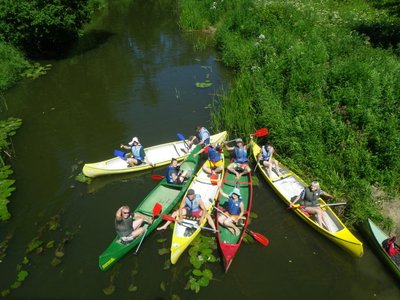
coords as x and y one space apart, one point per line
190 192
134 140
239 140
235 191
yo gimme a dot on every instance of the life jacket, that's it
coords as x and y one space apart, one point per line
390 247
234 206
124 227
213 154
241 155
266 155
311 198
168 174
204 135
193 205
136 152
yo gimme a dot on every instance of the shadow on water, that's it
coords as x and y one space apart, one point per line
89 41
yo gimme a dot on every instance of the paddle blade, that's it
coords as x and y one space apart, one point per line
214 179
157 209
119 153
180 136
168 218
156 177
261 132
259 238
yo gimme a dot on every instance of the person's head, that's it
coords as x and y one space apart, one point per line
134 142
197 128
191 194
239 142
235 194
314 186
125 211
174 162
268 144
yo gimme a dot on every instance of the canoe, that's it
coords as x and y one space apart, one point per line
288 185
164 193
229 243
376 236
159 155
183 234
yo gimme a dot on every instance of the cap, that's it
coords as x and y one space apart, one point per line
239 140
190 192
134 140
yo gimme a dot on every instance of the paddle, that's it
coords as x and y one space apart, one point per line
257 236
119 153
186 224
258 133
156 211
156 177
182 138
296 206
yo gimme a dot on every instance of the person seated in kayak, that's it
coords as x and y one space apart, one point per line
240 164
202 135
234 210
265 158
128 227
309 197
174 174
390 246
214 163
191 205
137 155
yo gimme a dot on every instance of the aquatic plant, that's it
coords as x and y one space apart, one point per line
36 70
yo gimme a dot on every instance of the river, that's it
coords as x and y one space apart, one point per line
139 79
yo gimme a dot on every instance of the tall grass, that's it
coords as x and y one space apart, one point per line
324 90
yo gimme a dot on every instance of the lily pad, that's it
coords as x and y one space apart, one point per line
161 240
163 251
16 285
50 244
109 290
56 261
203 281
162 286
132 288
59 253
22 275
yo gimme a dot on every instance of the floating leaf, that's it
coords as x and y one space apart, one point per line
59 253
167 264
161 240
25 261
132 288
203 84
109 290
253 215
208 274
5 293
203 281
163 251
197 272
39 250
16 285
162 286
34 244
175 297
56 261
50 245
22 275
134 273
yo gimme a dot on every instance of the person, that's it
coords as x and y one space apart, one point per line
240 164
214 163
266 159
202 135
390 247
174 174
234 211
310 199
129 227
137 155
193 205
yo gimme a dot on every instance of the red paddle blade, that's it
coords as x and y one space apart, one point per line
261 132
214 179
157 209
168 218
157 177
259 238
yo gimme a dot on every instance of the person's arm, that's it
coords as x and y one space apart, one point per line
241 211
181 206
199 152
326 195
204 214
298 198
118 214
125 147
221 191
229 148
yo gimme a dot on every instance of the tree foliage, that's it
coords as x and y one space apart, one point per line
42 27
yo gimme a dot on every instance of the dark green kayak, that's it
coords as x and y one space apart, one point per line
165 194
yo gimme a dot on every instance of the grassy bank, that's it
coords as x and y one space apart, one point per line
323 77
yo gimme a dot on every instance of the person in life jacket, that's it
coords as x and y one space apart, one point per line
192 205
202 135
174 174
265 158
390 246
310 199
214 163
137 155
240 164
128 227
234 210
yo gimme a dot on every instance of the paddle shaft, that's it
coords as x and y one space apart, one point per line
185 223
326 204
156 211
141 240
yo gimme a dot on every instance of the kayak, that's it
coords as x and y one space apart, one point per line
228 242
183 234
376 236
167 195
288 185
156 156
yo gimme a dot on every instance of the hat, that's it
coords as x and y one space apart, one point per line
239 140
190 192
134 140
235 191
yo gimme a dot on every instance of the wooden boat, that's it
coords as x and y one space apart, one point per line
159 155
228 242
288 185
376 237
186 232
165 194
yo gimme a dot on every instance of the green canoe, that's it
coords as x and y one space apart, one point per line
165 194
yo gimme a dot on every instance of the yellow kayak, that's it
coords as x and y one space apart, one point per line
288 185
159 155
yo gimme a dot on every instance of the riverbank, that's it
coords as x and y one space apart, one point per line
314 74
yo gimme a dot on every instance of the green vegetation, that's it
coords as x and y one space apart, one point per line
323 76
